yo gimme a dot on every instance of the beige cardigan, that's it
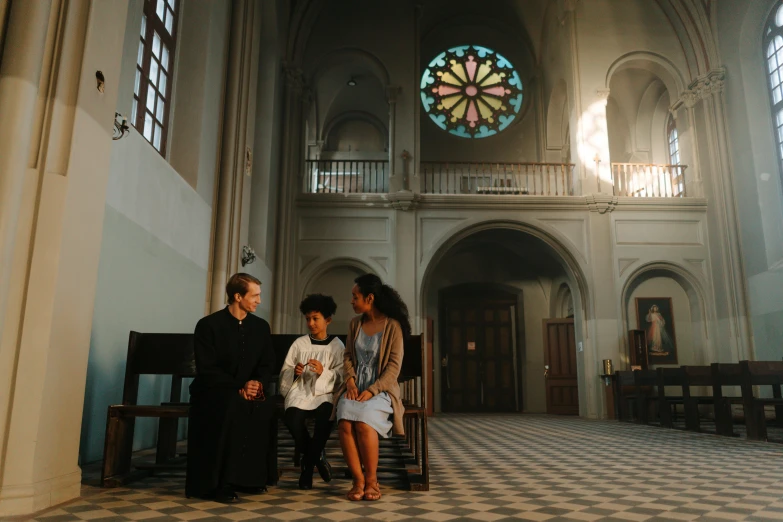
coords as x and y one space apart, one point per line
389 364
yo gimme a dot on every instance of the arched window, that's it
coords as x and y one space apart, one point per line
674 141
773 53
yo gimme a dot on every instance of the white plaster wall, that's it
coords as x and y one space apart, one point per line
154 256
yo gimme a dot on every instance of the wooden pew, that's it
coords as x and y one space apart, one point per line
760 373
695 376
644 381
725 374
172 354
669 377
148 354
623 384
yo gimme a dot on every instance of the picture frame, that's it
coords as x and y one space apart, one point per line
655 316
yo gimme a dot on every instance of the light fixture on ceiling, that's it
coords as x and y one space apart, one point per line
351 82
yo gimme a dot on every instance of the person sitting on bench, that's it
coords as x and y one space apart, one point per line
312 370
371 407
229 427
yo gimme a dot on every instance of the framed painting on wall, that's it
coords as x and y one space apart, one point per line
655 316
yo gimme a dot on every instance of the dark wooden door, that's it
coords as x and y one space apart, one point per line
477 357
562 391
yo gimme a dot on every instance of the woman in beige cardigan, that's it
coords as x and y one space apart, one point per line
369 405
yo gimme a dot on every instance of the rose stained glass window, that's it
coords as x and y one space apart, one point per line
471 91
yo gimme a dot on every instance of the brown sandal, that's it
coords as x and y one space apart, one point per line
356 493
372 492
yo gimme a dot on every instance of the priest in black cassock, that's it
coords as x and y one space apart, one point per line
230 415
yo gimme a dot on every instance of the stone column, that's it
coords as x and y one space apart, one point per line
706 95
20 75
290 167
228 212
56 250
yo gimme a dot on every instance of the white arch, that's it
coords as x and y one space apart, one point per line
320 269
355 115
655 63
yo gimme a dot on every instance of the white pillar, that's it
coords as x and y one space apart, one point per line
228 214
57 252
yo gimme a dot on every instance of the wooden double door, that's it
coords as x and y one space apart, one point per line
478 361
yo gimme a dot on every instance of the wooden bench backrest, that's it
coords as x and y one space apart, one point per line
697 376
624 378
157 354
172 354
645 377
762 373
670 377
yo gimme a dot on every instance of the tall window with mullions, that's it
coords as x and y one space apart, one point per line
773 54
154 66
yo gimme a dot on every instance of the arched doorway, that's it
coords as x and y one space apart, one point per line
496 282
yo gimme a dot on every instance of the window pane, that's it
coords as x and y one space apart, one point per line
779 17
148 126
777 95
160 9
162 83
150 98
159 110
137 83
140 56
171 4
164 56
134 111
156 45
170 22
154 72
158 132
143 25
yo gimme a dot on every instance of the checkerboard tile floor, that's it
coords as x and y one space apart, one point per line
513 467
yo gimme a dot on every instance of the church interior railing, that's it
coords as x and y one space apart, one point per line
346 176
644 180
540 179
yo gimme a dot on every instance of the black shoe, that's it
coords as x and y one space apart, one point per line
324 468
227 496
250 491
306 478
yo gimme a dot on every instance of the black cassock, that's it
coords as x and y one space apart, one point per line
228 436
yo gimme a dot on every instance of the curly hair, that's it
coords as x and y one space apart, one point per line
387 300
318 303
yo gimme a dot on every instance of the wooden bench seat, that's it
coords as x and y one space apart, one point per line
695 376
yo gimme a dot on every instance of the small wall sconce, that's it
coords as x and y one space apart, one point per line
101 81
352 82
120 126
248 256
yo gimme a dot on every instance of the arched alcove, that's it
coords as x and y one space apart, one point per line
336 278
524 257
687 322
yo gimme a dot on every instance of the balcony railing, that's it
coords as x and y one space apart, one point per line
345 176
543 179
648 181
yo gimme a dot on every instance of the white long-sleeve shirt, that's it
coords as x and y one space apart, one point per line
309 390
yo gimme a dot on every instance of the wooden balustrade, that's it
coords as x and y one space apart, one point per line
543 179
346 176
644 180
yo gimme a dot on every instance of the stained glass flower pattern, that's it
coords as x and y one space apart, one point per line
471 91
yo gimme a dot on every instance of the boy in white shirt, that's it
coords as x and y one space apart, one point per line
312 370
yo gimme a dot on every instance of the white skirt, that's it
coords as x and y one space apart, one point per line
375 412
